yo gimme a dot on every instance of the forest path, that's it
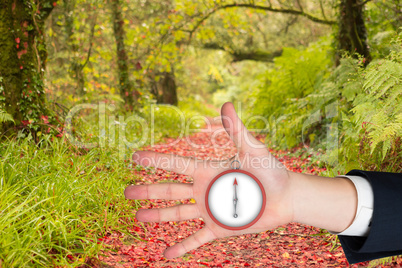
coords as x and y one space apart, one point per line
292 245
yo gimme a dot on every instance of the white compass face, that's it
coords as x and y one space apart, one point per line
235 199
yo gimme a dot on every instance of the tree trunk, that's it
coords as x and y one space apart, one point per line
169 89
352 35
127 91
76 72
22 59
77 66
165 89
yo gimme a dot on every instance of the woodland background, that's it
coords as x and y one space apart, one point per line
325 74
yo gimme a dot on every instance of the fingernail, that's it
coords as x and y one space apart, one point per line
129 192
167 254
139 217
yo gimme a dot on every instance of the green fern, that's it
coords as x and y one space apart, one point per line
292 90
5 117
372 128
380 107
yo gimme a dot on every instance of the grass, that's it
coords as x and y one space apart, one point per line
57 201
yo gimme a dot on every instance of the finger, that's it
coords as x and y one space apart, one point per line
176 213
192 242
168 191
235 128
175 163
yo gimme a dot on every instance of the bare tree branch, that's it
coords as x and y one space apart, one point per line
322 10
363 3
259 7
239 55
90 43
289 23
300 6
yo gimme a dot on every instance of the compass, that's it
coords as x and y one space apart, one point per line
235 199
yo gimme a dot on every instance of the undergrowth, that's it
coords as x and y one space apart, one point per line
56 201
107 126
287 91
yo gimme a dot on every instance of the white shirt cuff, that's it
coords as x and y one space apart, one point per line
365 204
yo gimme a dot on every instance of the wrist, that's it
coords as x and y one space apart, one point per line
328 203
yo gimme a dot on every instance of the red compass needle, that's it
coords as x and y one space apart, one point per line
235 197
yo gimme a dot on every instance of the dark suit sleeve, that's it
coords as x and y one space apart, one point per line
385 236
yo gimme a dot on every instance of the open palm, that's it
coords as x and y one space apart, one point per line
255 158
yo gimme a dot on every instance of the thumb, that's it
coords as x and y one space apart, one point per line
244 141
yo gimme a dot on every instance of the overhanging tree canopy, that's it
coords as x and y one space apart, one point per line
352 35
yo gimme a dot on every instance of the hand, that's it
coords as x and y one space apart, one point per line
255 158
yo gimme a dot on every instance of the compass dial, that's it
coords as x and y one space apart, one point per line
248 206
